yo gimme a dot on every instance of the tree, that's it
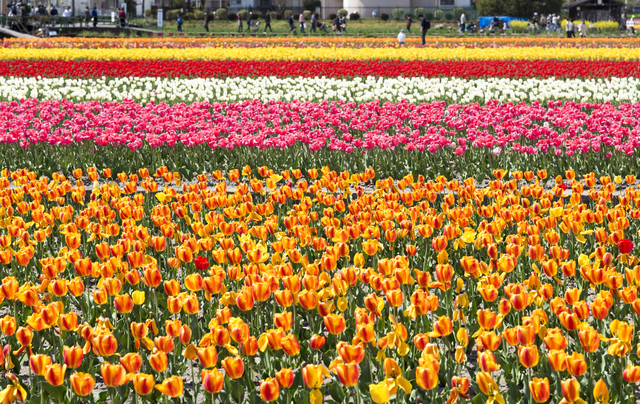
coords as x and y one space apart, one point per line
518 8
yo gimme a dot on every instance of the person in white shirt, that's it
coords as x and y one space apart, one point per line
67 12
401 37
630 26
463 23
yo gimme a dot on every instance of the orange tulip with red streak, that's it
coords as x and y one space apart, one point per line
172 387
317 342
72 356
212 380
427 377
164 344
132 362
233 366
631 374
143 383
442 327
528 355
335 323
290 345
269 389
113 375
82 383
285 378
208 356
348 373
350 353
570 391
540 390
589 339
104 344
54 374
38 363
488 362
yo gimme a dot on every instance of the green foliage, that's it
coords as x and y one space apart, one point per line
221 14
244 14
438 15
287 14
274 16
198 15
148 13
175 4
429 16
354 16
255 15
342 11
172 14
448 16
306 14
457 12
232 17
311 4
518 8
397 13
384 16
419 11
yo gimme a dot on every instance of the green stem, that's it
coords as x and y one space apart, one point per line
111 394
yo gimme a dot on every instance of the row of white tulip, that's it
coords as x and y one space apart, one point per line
414 90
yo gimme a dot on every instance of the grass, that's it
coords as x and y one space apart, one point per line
362 27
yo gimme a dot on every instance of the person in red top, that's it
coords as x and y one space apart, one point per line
122 16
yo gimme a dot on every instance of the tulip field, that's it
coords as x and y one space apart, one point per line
319 220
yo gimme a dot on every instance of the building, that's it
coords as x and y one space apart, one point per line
373 8
595 10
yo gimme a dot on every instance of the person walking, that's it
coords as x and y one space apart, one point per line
249 23
570 27
240 23
301 21
122 15
424 27
543 22
267 22
207 17
401 37
314 22
630 25
463 23
94 16
292 24
409 21
583 29
87 16
179 22
336 24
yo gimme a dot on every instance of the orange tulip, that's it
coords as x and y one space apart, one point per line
164 344
350 353
113 375
132 362
72 356
317 342
427 377
54 374
158 361
212 380
269 389
38 363
539 389
528 355
290 345
589 339
143 384
557 360
488 362
631 374
104 344
172 387
208 356
348 373
335 323
570 391
285 378
82 383
233 366
123 303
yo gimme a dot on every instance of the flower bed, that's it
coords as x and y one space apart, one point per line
394 137
378 292
380 68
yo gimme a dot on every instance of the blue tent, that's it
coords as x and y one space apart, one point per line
486 21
